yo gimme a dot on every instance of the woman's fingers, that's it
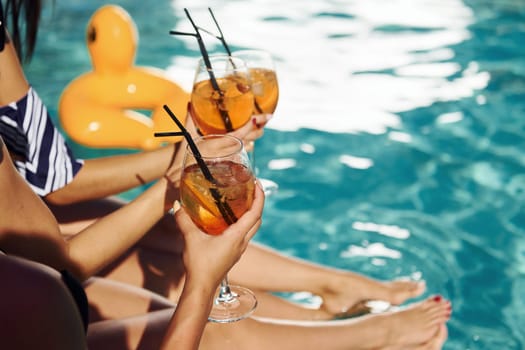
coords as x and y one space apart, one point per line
252 130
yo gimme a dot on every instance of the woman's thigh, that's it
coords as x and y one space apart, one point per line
109 299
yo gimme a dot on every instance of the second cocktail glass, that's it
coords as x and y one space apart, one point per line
214 199
265 90
221 98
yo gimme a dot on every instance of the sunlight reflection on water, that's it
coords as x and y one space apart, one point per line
356 63
397 142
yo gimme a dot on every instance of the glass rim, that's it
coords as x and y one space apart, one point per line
222 56
255 51
254 58
234 139
239 65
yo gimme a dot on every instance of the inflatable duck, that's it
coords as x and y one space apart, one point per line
104 108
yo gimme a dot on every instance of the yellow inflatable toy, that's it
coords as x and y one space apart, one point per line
104 107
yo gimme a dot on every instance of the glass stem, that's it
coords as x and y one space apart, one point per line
225 293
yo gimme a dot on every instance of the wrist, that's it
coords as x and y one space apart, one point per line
202 278
203 287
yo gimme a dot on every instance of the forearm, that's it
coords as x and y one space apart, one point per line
207 259
190 317
102 177
110 236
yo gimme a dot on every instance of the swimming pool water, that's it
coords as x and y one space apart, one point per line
398 142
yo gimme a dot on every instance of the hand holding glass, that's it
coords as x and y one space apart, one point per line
216 200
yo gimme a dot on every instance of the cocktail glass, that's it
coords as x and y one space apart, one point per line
216 198
221 98
265 89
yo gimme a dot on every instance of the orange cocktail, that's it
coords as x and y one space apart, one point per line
221 98
234 185
266 93
263 77
265 90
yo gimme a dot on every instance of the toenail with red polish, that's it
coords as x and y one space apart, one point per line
437 298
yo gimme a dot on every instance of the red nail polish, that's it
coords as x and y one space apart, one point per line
257 125
437 298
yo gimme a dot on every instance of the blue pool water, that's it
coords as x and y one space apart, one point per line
398 142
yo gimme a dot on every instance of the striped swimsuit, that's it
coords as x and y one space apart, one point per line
39 151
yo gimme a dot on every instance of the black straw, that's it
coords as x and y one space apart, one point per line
226 211
193 146
204 52
169 133
221 36
206 57
228 50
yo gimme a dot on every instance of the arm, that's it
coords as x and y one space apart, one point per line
29 229
109 237
102 177
207 259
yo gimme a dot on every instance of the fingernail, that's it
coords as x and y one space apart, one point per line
257 125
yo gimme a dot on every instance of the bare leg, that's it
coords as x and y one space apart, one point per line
272 306
143 332
155 264
159 272
420 321
340 290
419 327
110 299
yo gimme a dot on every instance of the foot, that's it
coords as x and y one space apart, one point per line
437 342
418 326
348 295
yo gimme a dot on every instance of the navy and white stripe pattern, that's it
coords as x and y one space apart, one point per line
40 152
